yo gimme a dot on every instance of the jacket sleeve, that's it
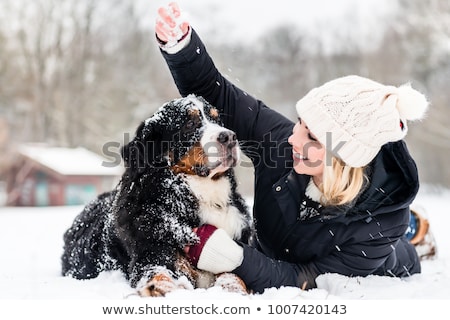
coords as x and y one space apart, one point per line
260 272
195 73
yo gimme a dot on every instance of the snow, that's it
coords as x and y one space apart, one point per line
31 246
31 285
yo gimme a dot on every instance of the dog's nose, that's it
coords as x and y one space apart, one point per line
227 138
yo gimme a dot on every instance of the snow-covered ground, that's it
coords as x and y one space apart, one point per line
31 246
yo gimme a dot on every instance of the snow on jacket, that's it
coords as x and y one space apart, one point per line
366 238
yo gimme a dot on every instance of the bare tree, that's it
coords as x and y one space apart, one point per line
79 70
84 72
423 28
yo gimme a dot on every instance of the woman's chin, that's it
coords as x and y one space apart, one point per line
303 168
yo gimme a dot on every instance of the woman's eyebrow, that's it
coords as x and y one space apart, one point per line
300 121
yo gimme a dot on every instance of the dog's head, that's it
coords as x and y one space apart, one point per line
185 135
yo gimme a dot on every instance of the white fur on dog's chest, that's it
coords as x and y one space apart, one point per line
215 204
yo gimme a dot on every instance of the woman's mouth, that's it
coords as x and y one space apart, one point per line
298 156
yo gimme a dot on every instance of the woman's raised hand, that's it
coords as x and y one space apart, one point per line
171 25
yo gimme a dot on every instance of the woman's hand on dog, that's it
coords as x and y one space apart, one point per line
171 26
216 251
194 251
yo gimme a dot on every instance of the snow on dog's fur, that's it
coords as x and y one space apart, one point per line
178 176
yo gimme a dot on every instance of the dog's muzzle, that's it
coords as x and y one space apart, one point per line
222 151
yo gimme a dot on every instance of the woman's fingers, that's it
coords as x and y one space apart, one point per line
165 16
161 30
184 26
175 9
169 24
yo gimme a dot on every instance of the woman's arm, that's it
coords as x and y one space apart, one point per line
259 128
260 272
217 252
194 72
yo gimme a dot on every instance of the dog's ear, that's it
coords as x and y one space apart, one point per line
133 154
144 151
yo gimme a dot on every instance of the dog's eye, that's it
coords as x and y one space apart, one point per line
190 124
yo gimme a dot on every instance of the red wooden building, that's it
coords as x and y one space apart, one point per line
48 176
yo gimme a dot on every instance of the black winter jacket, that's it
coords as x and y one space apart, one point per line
366 238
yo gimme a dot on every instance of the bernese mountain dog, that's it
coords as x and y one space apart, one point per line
178 176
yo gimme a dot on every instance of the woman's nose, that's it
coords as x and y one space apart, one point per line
290 139
295 141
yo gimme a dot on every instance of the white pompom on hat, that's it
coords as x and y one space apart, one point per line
353 117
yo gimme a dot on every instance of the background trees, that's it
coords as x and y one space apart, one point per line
83 72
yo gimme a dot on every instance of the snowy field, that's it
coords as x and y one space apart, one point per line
31 246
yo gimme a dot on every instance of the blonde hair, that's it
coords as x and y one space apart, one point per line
341 183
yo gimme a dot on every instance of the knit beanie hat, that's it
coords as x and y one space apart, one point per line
353 117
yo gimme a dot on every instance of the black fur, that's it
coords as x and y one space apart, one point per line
147 220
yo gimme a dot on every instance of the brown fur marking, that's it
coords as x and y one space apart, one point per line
195 157
214 113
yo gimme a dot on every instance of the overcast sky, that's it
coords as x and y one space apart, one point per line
246 19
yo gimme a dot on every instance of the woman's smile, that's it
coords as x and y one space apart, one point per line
307 152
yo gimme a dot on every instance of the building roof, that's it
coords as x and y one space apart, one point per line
71 161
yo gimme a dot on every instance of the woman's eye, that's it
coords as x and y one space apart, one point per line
311 137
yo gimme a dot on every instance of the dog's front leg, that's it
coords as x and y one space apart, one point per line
159 285
231 283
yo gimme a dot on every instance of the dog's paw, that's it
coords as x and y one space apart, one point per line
159 285
231 283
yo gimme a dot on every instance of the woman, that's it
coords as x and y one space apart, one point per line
332 191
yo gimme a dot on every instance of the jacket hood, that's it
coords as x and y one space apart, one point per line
393 185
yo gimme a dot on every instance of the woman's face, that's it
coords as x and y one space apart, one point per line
307 151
